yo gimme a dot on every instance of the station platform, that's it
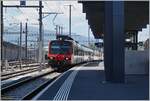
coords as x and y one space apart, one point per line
86 82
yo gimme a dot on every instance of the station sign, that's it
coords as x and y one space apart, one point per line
22 2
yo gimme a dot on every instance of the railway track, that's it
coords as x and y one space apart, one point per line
27 88
18 73
16 64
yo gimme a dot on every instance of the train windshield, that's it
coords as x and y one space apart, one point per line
60 47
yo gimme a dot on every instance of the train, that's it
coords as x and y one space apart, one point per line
62 52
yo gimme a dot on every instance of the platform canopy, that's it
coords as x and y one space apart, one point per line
136 15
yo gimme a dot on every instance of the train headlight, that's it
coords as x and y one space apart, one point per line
51 58
67 58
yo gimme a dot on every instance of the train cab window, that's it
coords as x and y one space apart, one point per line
60 47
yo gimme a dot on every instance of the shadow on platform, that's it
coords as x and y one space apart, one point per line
90 85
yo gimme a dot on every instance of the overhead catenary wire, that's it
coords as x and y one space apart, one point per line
48 7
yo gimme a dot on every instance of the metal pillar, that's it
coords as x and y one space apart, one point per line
56 30
61 30
20 46
114 39
40 34
89 35
18 55
26 34
135 40
70 20
1 33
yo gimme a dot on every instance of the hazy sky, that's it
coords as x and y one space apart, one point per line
79 22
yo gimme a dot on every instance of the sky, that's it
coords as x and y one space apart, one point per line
79 22
144 34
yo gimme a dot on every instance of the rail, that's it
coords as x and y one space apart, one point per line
7 90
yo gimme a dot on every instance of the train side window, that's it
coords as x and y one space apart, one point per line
82 52
79 52
75 50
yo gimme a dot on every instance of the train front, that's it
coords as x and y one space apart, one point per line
60 53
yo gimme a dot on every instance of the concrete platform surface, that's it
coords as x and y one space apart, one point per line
86 82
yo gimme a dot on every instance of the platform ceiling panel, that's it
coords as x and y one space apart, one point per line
136 15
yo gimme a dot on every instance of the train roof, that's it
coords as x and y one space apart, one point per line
64 37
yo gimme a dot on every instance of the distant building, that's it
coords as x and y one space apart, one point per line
11 51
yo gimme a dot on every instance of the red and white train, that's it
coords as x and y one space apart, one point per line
67 52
